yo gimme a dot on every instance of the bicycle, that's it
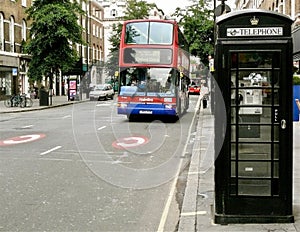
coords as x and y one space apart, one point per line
28 102
12 101
18 100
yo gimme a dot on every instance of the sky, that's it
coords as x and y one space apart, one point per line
169 6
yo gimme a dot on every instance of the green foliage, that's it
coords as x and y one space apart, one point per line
296 80
54 28
113 58
135 10
198 26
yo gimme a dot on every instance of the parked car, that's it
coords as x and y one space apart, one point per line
194 89
104 91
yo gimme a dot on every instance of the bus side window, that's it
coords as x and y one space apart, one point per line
177 78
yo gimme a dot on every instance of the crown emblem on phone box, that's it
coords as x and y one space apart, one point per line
254 21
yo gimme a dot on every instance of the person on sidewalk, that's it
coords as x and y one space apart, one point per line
204 94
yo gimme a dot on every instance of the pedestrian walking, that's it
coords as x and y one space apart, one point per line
204 94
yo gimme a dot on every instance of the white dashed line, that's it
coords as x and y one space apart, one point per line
53 149
28 126
100 128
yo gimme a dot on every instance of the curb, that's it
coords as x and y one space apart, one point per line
188 219
40 107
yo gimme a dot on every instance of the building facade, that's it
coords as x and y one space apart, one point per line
113 15
15 31
92 53
287 7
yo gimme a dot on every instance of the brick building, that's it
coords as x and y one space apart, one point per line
14 31
287 7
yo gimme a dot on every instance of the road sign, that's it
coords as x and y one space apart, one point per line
130 142
21 139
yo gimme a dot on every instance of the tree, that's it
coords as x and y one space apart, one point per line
53 30
198 26
113 57
135 10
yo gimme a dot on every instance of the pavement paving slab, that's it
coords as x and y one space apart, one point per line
197 212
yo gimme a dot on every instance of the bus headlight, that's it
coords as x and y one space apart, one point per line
169 107
122 105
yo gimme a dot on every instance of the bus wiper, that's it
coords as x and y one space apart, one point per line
134 94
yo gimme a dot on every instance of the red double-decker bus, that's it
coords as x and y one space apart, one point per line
154 69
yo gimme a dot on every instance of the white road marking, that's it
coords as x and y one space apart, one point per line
104 104
100 128
53 149
138 141
21 139
67 116
194 213
28 126
165 213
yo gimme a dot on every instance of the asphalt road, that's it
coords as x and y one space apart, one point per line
85 168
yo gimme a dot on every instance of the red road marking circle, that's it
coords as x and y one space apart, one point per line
21 139
130 142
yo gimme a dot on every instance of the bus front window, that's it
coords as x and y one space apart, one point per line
149 33
161 33
148 81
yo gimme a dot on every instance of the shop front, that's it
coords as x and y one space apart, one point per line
13 74
8 75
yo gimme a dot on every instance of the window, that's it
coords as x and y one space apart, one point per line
12 34
1 32
113 13
94 52
149 33
281 7
83 23
101 54
98 53
101 32
24 28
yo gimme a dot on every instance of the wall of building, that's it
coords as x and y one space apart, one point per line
287 7
14 64
14 30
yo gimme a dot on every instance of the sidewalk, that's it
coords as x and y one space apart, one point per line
56 101
197 213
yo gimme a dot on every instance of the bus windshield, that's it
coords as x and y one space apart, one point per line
149 33
148 82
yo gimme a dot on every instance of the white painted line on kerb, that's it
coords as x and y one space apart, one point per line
53 149
28 126
194 213
100 128
165 213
